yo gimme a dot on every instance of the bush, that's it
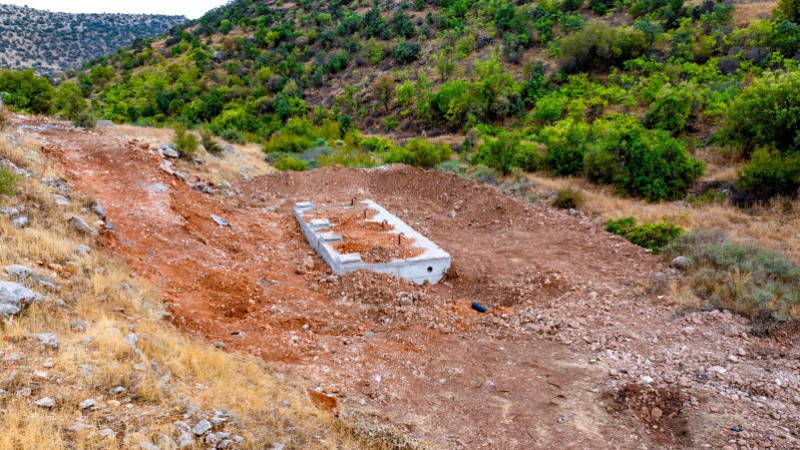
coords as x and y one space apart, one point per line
641 162
286 142
384 87
453 166
768 173
208 141
567 199
746 279
671 108
566 144
337 62
8 183
83 118
766 113
26 91
406 52
419 153
653 236
599 46
291 163
499 154
185 142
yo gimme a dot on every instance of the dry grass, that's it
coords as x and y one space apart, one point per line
774 225
164 373
745 13
247 160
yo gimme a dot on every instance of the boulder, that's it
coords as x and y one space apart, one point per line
681 263
81 225
15 295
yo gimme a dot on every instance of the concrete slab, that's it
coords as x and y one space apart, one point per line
429 265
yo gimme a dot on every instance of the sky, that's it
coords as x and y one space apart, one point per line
189 8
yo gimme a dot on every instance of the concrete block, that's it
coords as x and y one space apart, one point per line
430 265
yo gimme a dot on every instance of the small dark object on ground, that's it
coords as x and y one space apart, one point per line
478 307
737 428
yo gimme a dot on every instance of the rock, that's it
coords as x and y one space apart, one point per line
308 263
48 340
716 369
107 432
220 221
656 414
148 446
61 200
9 211
97 209
681 263
647 379
169 151
104 124
8 310
225 443
132 339
116 390
21 221
15 294
45 402
88 403
238 439
201 427
220 345
220 417
211 438
276 446
81 226
18 272
83 249
218 55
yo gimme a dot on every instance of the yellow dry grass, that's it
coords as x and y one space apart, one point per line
164 373
773 225
745 13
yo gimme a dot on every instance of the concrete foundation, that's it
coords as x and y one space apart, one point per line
428 266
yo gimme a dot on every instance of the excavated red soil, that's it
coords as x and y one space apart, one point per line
416 356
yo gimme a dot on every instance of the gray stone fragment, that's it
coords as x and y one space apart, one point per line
21 221
97 209
201 427
45 402
83 249
88 403
48 340
681 263
81 225
18 272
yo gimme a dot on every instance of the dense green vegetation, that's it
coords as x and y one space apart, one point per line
625 105
51 42
653 236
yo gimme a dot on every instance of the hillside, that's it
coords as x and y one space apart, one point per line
52 42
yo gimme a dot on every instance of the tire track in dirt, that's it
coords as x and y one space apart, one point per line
418 357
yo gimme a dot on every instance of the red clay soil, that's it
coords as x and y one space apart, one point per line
417 357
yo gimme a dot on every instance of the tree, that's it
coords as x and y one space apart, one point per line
790 9
384 87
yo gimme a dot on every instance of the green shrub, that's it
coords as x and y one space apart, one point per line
8 183
549 108
83 118
287 142
26 91
484 175
641 162
599 45
185 142
208 141
406 52
766 113
453 166
567 199
419 153
601 6
499 154
746 279
768 173
377 144
672 107
566 144
648 235
337 62
291 163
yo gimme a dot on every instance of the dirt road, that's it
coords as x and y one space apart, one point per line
527 374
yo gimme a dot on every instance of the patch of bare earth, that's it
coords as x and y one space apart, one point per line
580 347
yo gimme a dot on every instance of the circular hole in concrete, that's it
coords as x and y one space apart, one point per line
430 269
